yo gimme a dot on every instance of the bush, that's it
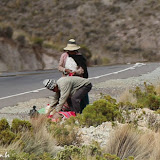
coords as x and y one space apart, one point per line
129 106
111 157
4 125
64 134
101 111
147 98
20 125
90 152
6 137
26 156
80 153
35 142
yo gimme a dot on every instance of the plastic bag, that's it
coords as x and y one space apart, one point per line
71 64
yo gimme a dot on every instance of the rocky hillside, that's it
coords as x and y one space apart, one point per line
14 57
112 31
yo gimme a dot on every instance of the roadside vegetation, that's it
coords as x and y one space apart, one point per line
41 138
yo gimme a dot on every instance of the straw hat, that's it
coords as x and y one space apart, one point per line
72 46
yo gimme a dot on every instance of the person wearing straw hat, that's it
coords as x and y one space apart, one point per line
72 61
71 86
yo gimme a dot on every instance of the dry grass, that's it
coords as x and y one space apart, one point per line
37 141
126 96
156 149
153 122
127 141
3 150
157 89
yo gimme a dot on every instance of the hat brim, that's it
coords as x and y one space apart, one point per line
72 48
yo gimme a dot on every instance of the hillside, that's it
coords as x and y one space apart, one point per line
112 31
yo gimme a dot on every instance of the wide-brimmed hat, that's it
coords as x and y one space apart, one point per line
72 46
50 83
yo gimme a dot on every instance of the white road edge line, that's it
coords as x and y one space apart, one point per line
133 67
22 93
37 90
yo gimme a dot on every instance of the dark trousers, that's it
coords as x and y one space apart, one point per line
78 96
84 102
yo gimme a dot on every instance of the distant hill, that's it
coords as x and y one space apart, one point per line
112 31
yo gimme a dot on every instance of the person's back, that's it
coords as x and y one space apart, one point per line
72 87
73 82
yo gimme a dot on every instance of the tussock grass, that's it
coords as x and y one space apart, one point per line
157 89
156 150
3 150
126 96
127 141
37 141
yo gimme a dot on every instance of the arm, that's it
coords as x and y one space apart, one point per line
61 65
55 99
55 102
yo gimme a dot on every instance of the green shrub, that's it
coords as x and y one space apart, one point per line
105 109
111 157
6 137
80 153
153 102
158 111
26 156
64 134
90 152
20 125
147 98
35 142
4 125
101 111
69 152
109 99
129 106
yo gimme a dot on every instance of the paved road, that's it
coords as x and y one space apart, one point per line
22 86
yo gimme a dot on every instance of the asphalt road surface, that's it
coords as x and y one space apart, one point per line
23 86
